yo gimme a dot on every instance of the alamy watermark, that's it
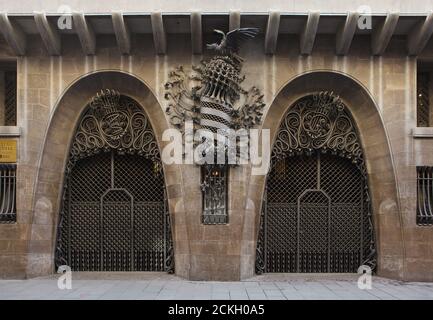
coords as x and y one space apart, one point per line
65 280
226 146
365 18
365 279
65 19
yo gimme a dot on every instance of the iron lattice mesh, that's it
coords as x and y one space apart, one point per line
138 175
313 209
281 249
332 234
285 189
116 230
423 100
90 179
10 98
340 179
115 227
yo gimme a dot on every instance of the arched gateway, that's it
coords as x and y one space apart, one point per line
113 214
316 214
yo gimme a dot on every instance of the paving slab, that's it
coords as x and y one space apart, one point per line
161 286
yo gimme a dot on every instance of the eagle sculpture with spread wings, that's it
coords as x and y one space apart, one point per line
231 41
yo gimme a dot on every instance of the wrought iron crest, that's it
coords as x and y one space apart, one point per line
320 121
113 121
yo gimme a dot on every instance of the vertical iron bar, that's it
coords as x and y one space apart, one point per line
265 229
165 217
1 189
329 234
419 192
101 236
429 191
318 170
69 183
425 178
14 189
362 222
112 169
298 211
3 176
131 227
8 189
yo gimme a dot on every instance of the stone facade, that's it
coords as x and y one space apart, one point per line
379 91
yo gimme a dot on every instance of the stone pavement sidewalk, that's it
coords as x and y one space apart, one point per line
150 285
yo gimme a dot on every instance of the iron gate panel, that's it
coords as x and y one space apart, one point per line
323 230
313 231
127 228
150 245
87 183
117 222
316 212
280 250
114 215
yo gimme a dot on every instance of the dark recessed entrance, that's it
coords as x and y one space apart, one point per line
316 214
114 215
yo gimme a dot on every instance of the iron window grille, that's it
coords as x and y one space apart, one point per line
424 211
7 193
10 98
423 100
214 187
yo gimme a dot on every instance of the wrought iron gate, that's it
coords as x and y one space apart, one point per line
114 215
316 213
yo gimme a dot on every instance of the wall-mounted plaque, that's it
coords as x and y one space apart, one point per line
8 150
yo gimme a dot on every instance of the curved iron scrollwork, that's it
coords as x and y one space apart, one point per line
113 121
319 123
115 124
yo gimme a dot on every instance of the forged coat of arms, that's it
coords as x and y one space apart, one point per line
210 95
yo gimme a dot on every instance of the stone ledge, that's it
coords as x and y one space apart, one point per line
10 131
422 132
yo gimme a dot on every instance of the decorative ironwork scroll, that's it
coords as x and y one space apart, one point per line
116 122
320 121
211 96
114 215
316 214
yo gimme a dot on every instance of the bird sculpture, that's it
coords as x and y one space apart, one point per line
230 42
